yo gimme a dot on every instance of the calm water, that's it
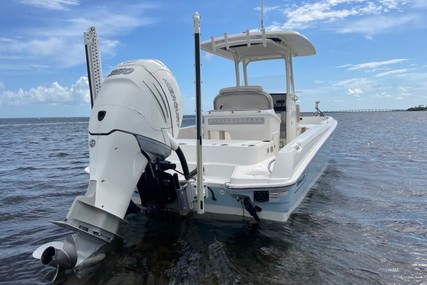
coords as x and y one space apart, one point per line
363 222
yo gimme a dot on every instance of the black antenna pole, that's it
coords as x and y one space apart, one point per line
262 14
199 134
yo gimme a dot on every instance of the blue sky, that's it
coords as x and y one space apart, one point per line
370 54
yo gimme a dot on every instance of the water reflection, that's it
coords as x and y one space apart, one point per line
170 249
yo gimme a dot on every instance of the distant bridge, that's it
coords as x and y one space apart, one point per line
364 110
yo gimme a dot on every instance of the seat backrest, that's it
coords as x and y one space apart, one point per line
243 98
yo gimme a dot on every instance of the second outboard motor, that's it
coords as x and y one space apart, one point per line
134 121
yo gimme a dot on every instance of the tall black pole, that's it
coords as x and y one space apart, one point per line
199 134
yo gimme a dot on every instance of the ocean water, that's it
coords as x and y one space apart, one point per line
363 222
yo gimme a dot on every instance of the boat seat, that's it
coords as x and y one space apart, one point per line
243 98
263 125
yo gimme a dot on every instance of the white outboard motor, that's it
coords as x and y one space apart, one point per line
133 123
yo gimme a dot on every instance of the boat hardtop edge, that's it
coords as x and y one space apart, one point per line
259 45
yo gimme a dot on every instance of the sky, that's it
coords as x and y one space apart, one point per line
371 54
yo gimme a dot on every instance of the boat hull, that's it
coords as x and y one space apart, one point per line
246 178
282 201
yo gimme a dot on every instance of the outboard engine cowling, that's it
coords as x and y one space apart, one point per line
135 118
134 121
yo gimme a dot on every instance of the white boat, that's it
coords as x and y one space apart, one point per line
258 159
259 153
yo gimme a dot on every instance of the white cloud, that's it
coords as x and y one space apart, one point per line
357 87
53 94
356 92
374 64
382 94
344 65
390 4
51 4
319 81
380 90
353 82
45 45
308 13
390 72
369 92
328 11
380 23
42 53
268 9
355 16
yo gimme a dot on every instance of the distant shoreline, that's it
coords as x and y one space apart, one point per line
366 111
419 108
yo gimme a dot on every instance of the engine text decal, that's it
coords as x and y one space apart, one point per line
175 103
120 71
